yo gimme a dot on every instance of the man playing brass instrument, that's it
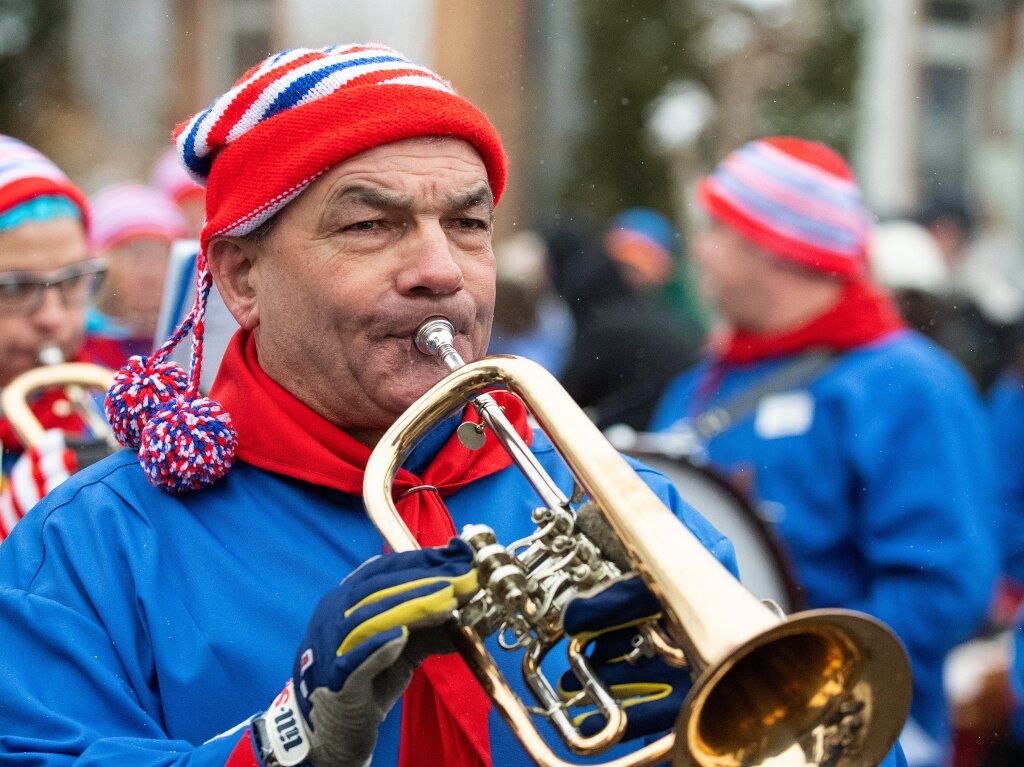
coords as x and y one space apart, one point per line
46 280
154 603
848 426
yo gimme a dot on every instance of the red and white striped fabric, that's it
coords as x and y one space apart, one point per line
123 211
26 174
38 471
797 199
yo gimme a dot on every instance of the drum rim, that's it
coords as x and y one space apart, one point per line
762 528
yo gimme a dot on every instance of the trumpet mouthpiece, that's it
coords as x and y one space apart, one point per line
436 337
433 334
51 355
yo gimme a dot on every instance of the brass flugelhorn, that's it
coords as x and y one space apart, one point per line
76 379
822 687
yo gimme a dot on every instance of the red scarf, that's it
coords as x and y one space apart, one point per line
863 314
444 712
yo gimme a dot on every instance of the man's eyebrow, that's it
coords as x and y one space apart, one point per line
370 196
480 195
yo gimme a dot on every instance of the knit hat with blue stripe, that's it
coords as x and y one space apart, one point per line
797 199
286 122
29 178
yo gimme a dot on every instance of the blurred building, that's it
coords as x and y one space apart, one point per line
942 107
939 109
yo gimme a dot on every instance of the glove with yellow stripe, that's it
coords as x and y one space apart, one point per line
365 639
606 622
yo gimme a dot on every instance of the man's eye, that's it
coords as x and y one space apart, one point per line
13 291
472 224
363 226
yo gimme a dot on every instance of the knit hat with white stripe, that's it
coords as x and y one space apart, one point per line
124 211
26 176
286 122
797 199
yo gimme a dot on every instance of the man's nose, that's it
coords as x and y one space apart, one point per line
430 265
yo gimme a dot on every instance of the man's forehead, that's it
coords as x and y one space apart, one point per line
42 245
411 154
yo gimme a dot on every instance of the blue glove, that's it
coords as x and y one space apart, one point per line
365 639
651 690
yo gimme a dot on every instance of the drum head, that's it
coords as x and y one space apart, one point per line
764 569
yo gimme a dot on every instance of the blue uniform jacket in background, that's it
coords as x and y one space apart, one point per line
1006 410
877 476
137 625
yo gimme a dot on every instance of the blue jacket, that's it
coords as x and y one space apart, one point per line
877 476
1006 410
136 625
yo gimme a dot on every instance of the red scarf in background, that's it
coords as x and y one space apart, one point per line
863 313
444 711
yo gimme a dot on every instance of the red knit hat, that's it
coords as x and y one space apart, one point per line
302 112
797 199
287 121
26 174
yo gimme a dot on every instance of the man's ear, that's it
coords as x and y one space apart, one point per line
231 260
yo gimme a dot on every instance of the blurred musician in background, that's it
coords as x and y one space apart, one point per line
46 279
866 440
133 227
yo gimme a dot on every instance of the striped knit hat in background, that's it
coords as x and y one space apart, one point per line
171 178
124 211
286 122
26 176
796 199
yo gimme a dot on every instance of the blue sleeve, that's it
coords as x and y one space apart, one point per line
1017 680
78 681
1006 415
66 701
922 458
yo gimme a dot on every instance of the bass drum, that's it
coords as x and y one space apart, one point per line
764 568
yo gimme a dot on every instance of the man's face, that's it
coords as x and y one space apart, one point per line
133 286
353 266
732 273
40 248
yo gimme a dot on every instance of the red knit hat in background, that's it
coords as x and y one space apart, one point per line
287 121
797 199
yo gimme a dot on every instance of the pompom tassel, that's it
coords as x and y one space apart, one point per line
143 386
188 445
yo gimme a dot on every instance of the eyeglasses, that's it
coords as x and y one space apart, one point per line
23 292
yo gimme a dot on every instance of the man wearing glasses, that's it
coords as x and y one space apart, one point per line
46 280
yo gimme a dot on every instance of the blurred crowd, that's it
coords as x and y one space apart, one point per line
860 383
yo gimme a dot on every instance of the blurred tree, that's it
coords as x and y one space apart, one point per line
632 49
770 66
32 64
